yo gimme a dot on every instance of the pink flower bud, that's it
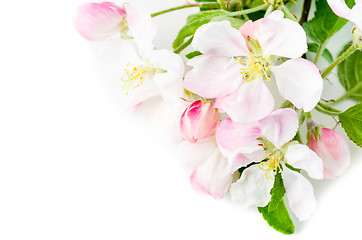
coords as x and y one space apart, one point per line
199 121
332 148
99 21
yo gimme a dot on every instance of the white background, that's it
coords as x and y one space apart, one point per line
75 165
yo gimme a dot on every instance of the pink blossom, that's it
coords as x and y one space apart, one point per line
234 64
199 121
99 21
332 148
268 143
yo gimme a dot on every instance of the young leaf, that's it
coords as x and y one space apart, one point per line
275 213
350 73
277 193
351 121
325 23
193 22
193 54
278 219
313 47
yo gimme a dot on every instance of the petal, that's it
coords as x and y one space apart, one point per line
280 126
299 193
238 142
220 38
300 82
209 174
300 156
253 188
213 76
332 148
99 21
167 60
356 15
169 86
340 8
282 37
141 26
253 102
231 135
143 93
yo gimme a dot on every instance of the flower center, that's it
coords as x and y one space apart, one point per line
135 75
255 67
272 165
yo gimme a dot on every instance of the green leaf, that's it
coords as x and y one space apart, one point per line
193 54
275 213
350 73
193 22
351 121
235 22
313 47
277 193
325 23
278 219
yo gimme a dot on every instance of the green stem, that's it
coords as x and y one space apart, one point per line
270 8
288 13
247 11
349 93
320 51
183 46
328 108
340 59
173 9
222 4
319 109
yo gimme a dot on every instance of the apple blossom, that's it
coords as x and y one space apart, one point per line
268 144
332 148
199 121
99 21
207 167
353 14
235 64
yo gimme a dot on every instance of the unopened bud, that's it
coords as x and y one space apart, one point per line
332 148
199 121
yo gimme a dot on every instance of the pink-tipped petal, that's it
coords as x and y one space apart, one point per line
300 82
199 121
332 148
231 135
208 174
99 21
238 142
300 156
300 194
253 102
253 188
213 76
282 37
280 126
142 27
220 38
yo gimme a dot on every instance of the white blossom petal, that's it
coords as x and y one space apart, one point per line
281 36
253 102
253 188
300 82
280 126
213 76
220 38
142 27
300 194
300 156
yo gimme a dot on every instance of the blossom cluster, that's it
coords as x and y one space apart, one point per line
235 139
